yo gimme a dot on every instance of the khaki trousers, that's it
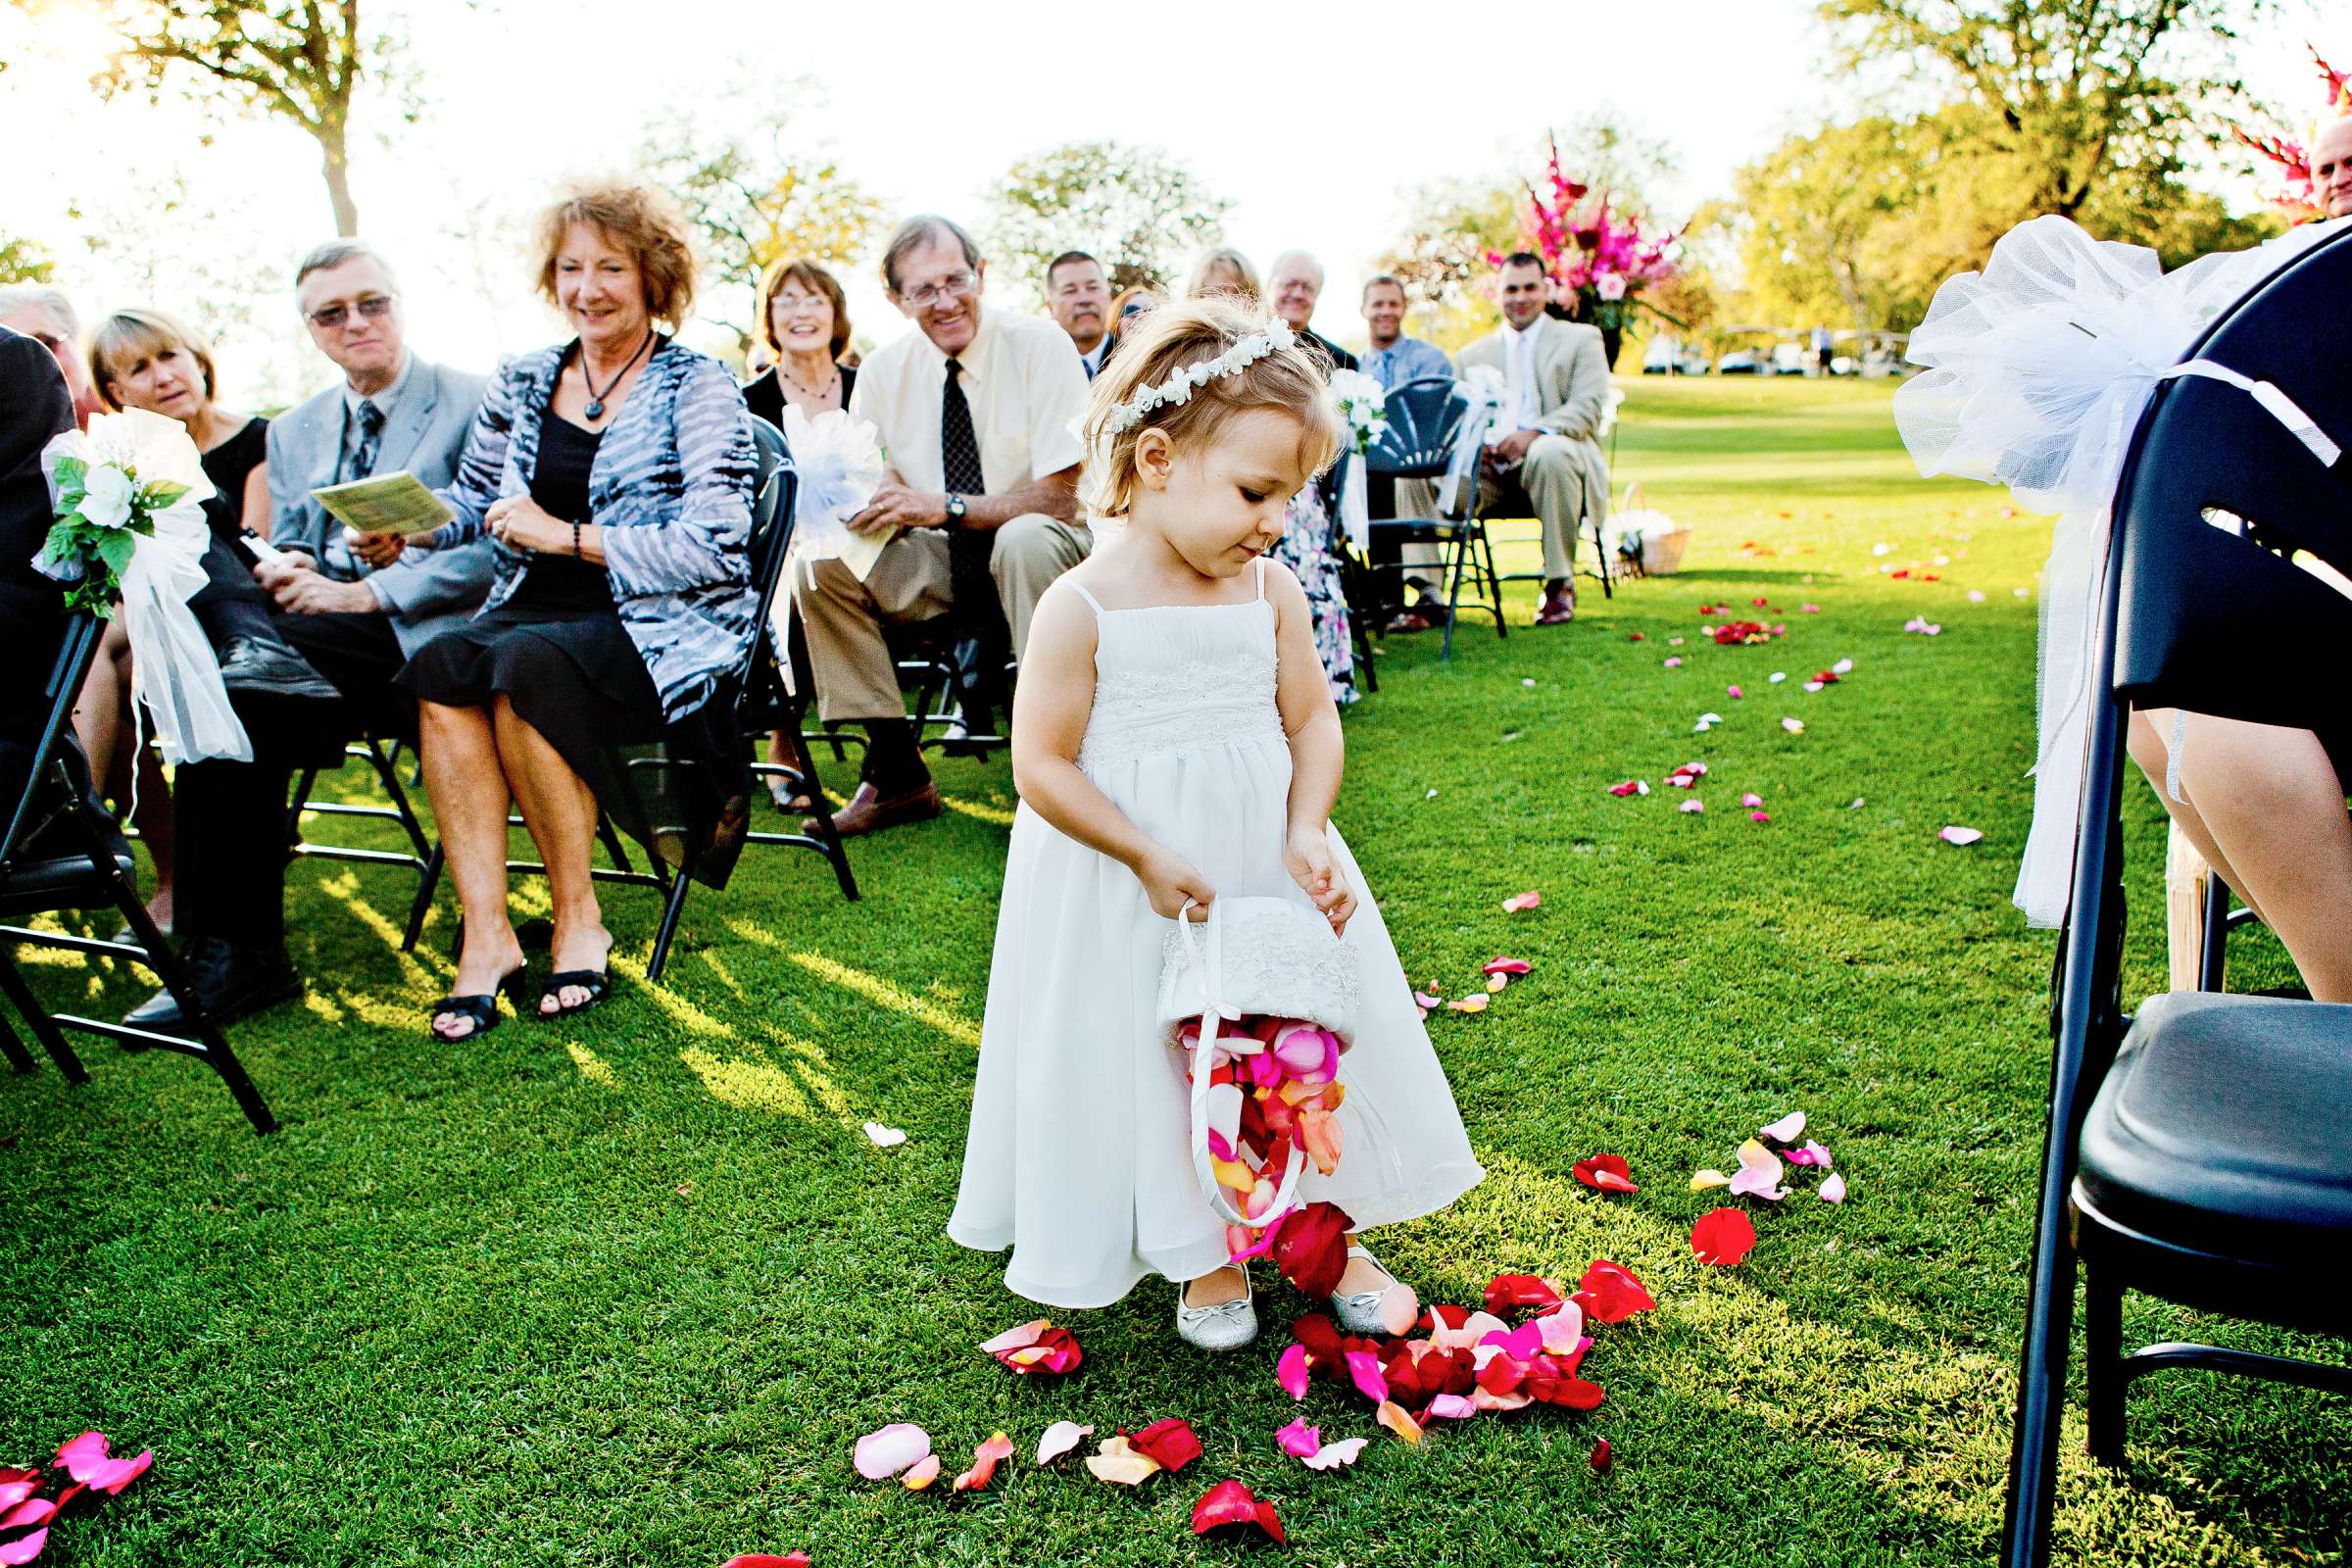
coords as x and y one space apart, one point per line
1553 482
843 618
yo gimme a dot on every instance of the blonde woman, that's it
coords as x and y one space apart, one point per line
1223 270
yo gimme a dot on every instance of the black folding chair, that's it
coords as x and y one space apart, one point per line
2198 1151
1424 417
58 851
423 855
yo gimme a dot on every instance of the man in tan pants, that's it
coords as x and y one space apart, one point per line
975 410
1546 456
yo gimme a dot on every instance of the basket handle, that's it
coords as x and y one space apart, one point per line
1202 959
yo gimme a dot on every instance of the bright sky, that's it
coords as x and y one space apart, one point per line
1315 129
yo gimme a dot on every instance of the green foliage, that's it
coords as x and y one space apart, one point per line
756 191
299 61
23 260
1140 211
626 1289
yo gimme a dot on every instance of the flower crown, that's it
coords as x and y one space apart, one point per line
1177 389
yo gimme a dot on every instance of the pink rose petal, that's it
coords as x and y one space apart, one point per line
1811 1154
1833 1189
1676 663
1522 900
1291 1371
1693 808
1059 1439
1732 692
1759 1174
1959 835
923 1472
1759 816
1451 1407
1333 1455
887 1451
1400 1306
1299 1440
1751 800
1365 1367
1787 1130
1795 726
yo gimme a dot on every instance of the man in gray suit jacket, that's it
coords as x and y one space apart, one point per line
1548 460
356 626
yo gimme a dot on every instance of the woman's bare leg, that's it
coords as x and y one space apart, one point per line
2150 740
559 809
468 791
2270 805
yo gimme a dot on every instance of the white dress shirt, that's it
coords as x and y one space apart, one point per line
1022 380
1519 353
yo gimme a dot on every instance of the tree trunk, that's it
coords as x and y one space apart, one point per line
338 181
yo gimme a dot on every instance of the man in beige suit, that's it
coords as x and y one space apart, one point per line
1547 460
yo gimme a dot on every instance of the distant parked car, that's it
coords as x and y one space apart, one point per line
1740 362
1666 356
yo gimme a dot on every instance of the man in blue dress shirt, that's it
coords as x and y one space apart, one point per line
1391 359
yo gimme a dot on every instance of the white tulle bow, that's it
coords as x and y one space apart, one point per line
839 464
2039 369
175 674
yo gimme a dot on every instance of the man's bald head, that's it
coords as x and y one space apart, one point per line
2332 165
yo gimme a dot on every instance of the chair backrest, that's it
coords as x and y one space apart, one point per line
2211 620
774 505
1424 419
22 798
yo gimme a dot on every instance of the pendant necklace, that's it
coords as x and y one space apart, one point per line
595 399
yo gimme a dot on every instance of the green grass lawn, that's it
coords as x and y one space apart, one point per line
628 1291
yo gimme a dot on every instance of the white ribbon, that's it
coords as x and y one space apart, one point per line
1204 958
1355 515
1483 389
173 672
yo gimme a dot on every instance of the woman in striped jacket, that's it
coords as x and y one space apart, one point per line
616 472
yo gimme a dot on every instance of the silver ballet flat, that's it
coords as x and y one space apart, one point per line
1361 1313
1227 1326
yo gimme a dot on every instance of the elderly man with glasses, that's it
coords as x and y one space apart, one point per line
975 408
392 411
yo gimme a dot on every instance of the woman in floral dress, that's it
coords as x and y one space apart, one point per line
1306 549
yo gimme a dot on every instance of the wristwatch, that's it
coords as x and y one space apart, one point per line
955 510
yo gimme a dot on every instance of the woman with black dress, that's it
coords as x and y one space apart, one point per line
805 328
147 358
616 472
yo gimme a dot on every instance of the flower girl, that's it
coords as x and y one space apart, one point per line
1175 743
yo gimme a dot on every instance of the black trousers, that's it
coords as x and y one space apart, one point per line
231 818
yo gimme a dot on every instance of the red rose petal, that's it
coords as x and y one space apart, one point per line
1723 1237
1170 1443
1229 1503
1609 1173
1311 1248
1600 1458
1510 1293
1609 1293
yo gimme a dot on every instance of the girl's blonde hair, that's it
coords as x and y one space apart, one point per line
1186 332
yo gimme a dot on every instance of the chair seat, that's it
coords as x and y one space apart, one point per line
36 887
2222 1128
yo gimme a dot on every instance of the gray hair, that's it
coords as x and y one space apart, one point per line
923 228
1289 260
40 296
335 252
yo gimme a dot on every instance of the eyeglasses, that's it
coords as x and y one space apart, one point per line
952 286
371 308
789 303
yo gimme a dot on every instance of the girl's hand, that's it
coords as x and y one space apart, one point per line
1307 856
1171 879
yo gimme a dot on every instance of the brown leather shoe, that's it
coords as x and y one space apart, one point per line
868 812
1407 621
1559 605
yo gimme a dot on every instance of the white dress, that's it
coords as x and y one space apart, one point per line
1077 1155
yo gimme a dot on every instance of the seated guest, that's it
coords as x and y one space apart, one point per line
615 473
392 411
2332 165
975 408
44 315
1549 464
1293 285
1076 292
144 359
2265 806
34 409
1132 304
1391 359
804 330
1223 270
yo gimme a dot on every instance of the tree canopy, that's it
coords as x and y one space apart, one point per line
1137 209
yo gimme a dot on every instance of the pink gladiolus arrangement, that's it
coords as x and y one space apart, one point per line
1286 1095
1598 261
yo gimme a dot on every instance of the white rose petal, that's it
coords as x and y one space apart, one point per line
105 497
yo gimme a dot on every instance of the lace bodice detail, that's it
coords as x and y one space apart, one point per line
1181 677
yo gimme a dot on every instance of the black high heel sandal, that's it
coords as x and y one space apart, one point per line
592 981
480 1010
